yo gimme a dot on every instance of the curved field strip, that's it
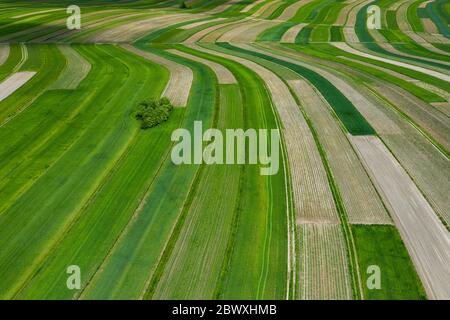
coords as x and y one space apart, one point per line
205 32
181 77
425 237
292 9
200 23
433 73
250 6
65 196
224 76
37 59
4 53
76 69
359 196
14 82
246 32
323 263
134 30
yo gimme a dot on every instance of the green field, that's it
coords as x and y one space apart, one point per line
362 117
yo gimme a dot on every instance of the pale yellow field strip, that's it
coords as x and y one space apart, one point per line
200 23
247 32
267 9
251 5
422 42
291 10
350 35
424 4
134 30
14 82
203 33
224 76
223 7
324 267
444 107
402 15
361 201
388 47
425 237
351 18
4 53
345 47
344 13
61 34
77 68
180 80
429 26
291 33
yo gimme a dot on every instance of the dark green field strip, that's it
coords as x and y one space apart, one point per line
345 110
413 17
304 35
336 34
327 52
417 50
48 62
257 256
320 34
37 220
382 246
436 11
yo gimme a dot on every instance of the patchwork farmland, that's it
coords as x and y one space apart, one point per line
359 91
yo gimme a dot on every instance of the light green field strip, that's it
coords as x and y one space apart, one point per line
344 14
292 9
222 7
91 26
38 29
323 260
267 270
224 76
361 201
14 82
246 32
391 49
4 53
77 68
425 237
36 13
204 32
51 204
347 48
200 23
291 122
37 59
307 192
291 34
180 81
134 30
157 218
250 6
197 258
267 9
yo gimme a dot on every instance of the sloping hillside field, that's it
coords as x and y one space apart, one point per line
225 149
